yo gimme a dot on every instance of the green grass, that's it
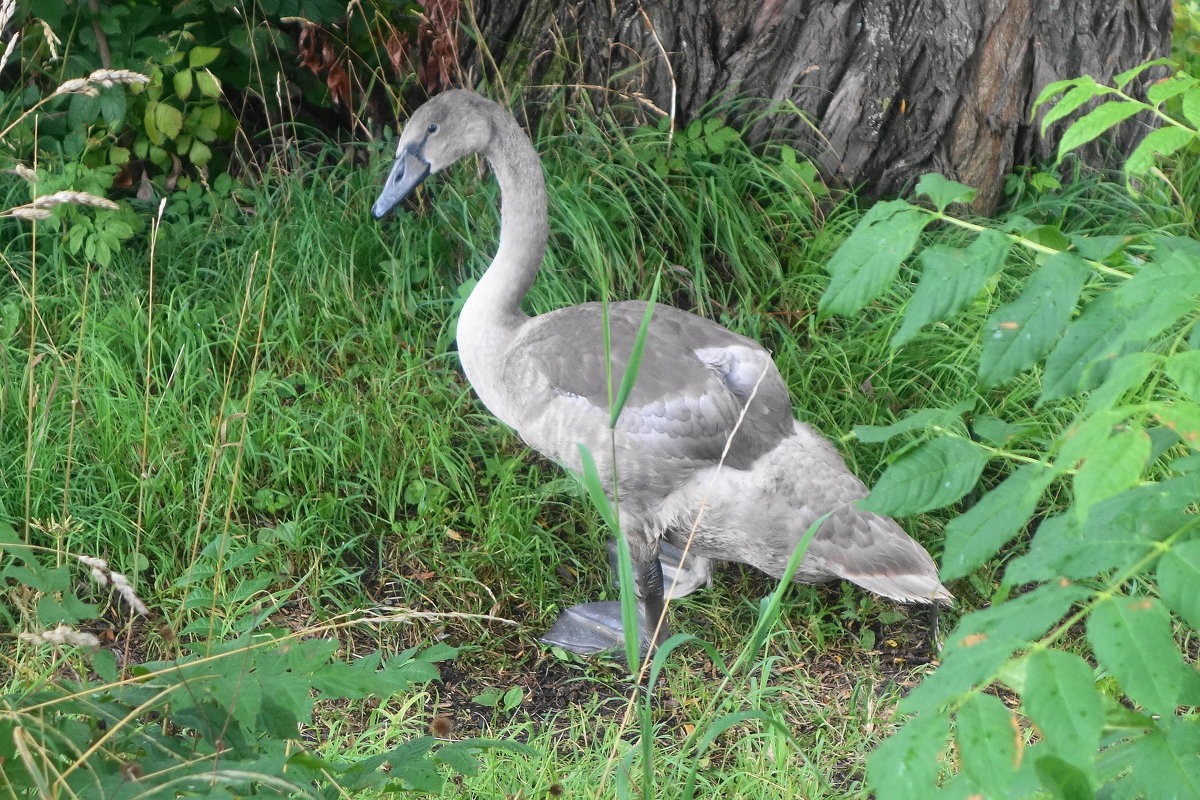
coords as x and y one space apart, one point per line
265 421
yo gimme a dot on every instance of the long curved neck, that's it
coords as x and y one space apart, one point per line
496 299
492 314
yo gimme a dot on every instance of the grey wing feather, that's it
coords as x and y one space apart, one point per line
687 398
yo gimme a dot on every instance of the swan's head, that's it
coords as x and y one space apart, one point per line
450 126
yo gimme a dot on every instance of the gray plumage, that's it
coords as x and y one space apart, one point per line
708 424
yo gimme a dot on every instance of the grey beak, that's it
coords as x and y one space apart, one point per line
409 169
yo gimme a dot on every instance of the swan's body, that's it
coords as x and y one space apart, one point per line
702 392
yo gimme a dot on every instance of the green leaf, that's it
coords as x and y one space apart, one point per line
113 105
182 83
1073 100
987 735
1178 577
942 191
1128 75
1112 467
1128 372
209 86
199 153
1133 312
931 475
1063 780
994 430
1058 87
634 364
1019 333
1190 106
951 278
1165 765
868 261
907 763
1096 122
974 537
1158 143
1184 369
1116 533
1161 91
199 56
1131 637
985 639
1061 697
1182 417
924 419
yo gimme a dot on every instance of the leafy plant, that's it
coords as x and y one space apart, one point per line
1085 627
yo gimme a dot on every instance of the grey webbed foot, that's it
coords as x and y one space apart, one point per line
679 579
590 628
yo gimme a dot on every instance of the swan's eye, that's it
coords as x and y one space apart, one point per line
431 129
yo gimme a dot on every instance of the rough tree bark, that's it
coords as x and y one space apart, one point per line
896 88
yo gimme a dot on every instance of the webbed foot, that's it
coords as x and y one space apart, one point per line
588 628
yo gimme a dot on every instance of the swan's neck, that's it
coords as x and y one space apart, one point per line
492 314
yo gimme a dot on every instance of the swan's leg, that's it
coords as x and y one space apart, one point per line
679 578
595 627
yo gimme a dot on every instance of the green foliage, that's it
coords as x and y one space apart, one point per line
1108 326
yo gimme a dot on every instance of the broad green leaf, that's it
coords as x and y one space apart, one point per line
1131 637
113 105
924 419
1058 87
950 279
1179 578
985 639
199 56
942 191
199 153
1061 697
1166 765
1184 369
868 261
994 430
1112 467
168 119
1128 372
1096 122
1099 248
907 763
931 475
183 83
1161 91
974 537
1190 106
1133 312
987 736
1019 333
1158 143
1064 781
1183 418
1121 79
209 86
1116 533
1072 101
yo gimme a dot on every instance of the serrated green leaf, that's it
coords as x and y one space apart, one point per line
1112 467
1128 372
1166 764
1133 312
950 279
1116 533
906 764
1131 637
1178 578
1163 90
987 735
931 475
1190 107
1182 418
209 86
996 431
1096 122
1121 79
199 153
200 55
167 119
985 639
868 261
1099 248
974 537
1073 100
1184 369
1158 143
1061 697
113 105
1058 87
82 110
924 419
1019 333
182 81
942 191
1064 781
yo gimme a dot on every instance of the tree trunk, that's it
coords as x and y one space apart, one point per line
895 88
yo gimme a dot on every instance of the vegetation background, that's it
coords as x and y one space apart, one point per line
259 538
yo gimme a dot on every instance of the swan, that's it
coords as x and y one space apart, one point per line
708 423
